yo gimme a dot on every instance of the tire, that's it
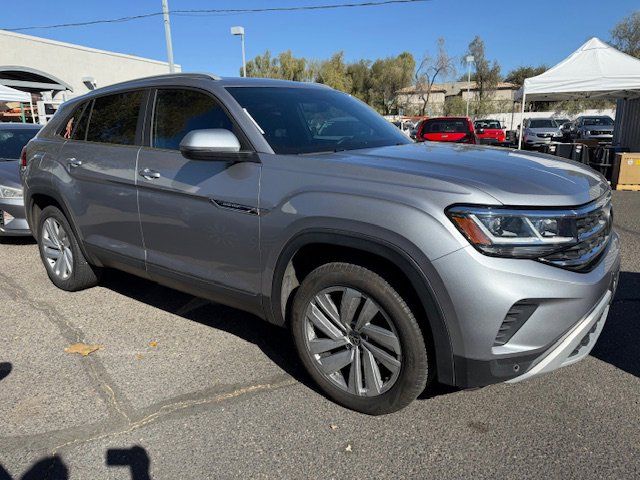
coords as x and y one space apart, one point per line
73 273
346 295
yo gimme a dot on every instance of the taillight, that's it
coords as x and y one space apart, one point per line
23 157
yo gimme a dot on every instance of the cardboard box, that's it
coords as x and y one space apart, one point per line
626 170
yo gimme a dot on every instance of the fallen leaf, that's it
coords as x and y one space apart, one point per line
82 348
153 343
348 449
333 427
139 356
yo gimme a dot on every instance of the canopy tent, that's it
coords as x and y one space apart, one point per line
8 94
595 70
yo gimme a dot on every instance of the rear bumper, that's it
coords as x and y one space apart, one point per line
14 224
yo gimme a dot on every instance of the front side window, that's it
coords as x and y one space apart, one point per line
114 118
311 120
177 112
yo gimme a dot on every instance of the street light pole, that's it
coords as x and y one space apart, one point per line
167 34
469 60
240 31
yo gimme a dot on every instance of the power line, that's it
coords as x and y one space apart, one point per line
220 11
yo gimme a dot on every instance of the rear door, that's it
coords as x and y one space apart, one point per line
99 164
199 217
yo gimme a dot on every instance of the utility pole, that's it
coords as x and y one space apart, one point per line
167 34
469 60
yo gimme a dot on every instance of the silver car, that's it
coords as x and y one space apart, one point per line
592 127
13 137
540 131
394 264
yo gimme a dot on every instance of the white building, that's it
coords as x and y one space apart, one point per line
57 71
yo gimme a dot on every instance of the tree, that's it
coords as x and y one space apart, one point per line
518 75
625 35
263 66
428 70
486 75
388 75
333 72
361 82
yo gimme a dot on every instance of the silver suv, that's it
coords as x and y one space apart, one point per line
394 264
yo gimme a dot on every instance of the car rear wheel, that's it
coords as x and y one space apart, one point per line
359 340
65 263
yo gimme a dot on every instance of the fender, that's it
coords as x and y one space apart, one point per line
50 192
388 251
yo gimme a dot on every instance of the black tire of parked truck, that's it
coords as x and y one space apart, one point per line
349 319
57 240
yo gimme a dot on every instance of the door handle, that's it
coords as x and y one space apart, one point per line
73 162
149 174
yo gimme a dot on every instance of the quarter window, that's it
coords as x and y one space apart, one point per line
177 112
114 118
76 126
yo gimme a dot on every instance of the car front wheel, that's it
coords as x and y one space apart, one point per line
359 340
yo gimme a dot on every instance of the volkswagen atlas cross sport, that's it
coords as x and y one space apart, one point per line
394 264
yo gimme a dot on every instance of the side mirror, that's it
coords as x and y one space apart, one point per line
211 144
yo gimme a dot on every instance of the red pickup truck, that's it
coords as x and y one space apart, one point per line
489 131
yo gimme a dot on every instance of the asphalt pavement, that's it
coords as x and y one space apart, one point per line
183 389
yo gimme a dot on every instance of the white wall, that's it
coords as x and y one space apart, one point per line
70 63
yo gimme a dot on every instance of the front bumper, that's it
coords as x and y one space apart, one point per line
16 226
482 290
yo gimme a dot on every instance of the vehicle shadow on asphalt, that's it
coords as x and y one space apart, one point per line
135 458
619 342
274 341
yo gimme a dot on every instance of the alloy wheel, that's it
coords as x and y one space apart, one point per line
352 341
56 247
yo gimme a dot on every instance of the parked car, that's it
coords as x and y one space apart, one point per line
560 121
393 263
592 127
565 131
13 137
489 131
539 131
447 129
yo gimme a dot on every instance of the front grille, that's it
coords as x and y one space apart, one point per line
545 135
594 224
517 315
601 132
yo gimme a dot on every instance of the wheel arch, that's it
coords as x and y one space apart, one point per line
362 248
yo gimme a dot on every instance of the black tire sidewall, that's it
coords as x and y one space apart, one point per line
79 262
414 371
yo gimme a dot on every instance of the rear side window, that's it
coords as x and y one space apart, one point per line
76 126
177 112
114 118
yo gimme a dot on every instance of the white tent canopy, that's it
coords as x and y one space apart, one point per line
8 94
595 70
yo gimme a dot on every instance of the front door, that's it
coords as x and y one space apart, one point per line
199 218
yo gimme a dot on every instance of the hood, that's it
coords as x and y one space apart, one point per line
10 173
600 128
512 177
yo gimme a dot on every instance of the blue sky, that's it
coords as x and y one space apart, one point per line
515 33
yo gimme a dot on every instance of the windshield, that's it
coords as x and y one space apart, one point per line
443 125
597 121
488 124
311 120
542 123
12 141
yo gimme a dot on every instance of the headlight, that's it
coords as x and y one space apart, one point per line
515 233
10 192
